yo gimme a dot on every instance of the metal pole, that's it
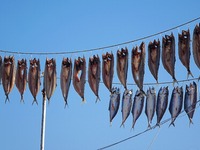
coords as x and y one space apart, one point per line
43 120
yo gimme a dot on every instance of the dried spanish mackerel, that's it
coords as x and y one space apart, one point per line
21 77
184 49
154 58
196 45
108 69
94 74
8 75
122 66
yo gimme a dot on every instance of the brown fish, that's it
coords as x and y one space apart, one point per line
108 69
196 45
168 54
184 49
154 58
79 75
138 64
65 77
34 78
8 75
122 66
94 74
50 77
21 77
0 69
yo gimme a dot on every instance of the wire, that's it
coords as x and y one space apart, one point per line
163 122
100 48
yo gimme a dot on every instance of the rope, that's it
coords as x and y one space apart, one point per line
163 122
100 48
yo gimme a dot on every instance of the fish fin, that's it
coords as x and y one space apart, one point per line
189 73
35 101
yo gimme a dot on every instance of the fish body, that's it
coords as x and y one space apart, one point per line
0 70
154 58
190 100
50 77
138 64
126 104
8 75
114 102
122 66
94 72
176 103
184 49
65 77
34 78
21 77
168 54
137 107
108 69
150 105
162 102
196 45
79 75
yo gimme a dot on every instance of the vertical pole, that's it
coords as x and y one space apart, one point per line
43 120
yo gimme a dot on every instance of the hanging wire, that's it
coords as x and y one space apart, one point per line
100 48
140 133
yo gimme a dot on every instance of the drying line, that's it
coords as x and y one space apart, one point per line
100 48
140 133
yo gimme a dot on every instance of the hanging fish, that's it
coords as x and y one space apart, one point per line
190 100
137 107
162 102
79 75
0 70
34 78
196 45
65 77
108 69
122 66
168 54
184 49
114 102
154 58
138 64
176 103
50 77
126 104
8 75
150 105
21 77
94 72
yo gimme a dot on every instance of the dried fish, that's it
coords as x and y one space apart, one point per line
1 70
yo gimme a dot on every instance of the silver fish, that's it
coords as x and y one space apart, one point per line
122 66
184 49
94 72
154 58
176 103
137 107
65 77
108 69
50 77
79 75
138 65
126 104
150 105
21 77
196 45
34 78
190 100
0 70
168 54
8 75
114 102
162 102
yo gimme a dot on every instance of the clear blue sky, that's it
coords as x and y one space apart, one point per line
51 26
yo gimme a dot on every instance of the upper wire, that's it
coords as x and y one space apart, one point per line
101 48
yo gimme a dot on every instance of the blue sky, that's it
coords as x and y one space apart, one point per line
58 26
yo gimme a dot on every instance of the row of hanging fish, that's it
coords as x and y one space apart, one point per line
154 103
77 71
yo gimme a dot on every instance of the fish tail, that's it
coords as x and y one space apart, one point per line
97 99
122 124
66 104
149 126
198 78
174 81
189 73
172 123
158 124
191 122
35 101
22 99
133 125
7 98
83 100
143 92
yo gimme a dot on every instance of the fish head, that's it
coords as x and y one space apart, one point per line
66 63
152 90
